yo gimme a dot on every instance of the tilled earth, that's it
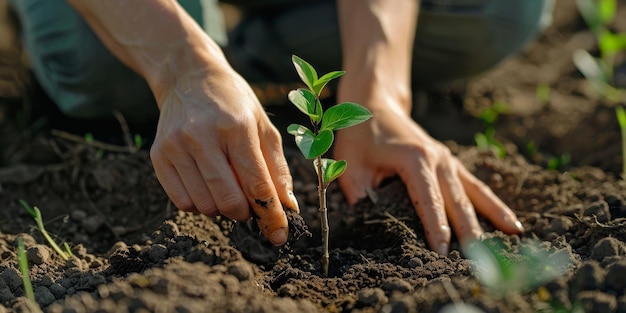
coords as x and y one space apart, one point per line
133 251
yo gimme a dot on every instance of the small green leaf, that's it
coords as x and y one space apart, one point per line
298 130
332 169
306 72
311 145
606 11
322 81
28 208
345 115
307 103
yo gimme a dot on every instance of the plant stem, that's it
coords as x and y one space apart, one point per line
23 261
43 231
321 190
621 119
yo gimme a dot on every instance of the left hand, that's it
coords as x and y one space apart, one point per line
441 189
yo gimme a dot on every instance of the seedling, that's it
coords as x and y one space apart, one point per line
621 119
23 262
487 140
598 15
313 143
502 271
36 214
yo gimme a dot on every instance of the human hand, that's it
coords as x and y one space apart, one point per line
441 189
216 152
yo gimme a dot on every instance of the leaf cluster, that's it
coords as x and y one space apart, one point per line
313 143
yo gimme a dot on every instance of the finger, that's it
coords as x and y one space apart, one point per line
425 195
279 170
258 187
221 181
458 206
195 185
354 182
172 183
488 204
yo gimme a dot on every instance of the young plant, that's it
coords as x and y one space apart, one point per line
621 120
599 15
313 143
487 140
23 262
503 271
36 214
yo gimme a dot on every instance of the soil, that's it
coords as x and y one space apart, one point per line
133 251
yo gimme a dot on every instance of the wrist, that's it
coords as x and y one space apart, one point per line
375 90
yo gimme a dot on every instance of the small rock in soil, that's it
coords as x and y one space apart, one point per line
607 247
12 277
38 254
370 297
57 290
392 284
43 296
597 301
600 209
616 277
560 225
242 270
589 277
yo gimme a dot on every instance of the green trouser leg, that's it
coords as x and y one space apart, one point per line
75 69
454 39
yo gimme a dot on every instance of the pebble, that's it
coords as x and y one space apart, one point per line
158 252
43 296
393 284
370 297
589 277
600 209
57 290
242 270
607 247
12 278
38 254
597 301
561 224
616 277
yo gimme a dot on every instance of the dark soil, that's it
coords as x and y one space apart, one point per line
133 251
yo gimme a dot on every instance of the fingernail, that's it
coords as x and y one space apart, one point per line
519 226
443 248
294 201
278 237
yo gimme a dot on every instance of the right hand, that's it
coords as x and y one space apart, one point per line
216 152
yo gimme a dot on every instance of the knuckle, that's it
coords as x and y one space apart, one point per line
207 207
233 205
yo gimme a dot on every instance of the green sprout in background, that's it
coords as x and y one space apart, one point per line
487 140
599 15
621 119
313 143
36 214
503 271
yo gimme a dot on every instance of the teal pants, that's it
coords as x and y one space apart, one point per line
454 39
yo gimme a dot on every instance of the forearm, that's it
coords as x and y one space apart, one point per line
377 42
156 38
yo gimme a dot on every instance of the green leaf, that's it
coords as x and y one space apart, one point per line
311 145
606 11
332 169
345 115
307 103
322 81
306 72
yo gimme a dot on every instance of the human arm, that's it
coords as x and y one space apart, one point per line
377 41
215 150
